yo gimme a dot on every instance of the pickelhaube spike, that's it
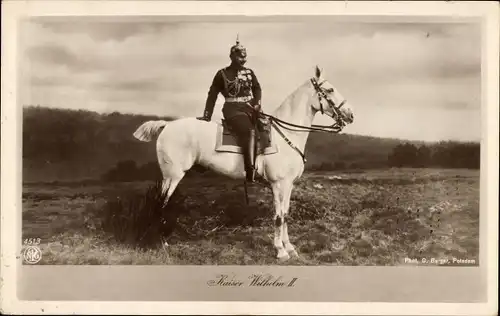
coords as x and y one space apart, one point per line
237 47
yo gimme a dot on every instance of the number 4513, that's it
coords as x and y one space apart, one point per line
31 241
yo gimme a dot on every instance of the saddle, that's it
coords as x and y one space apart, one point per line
227 142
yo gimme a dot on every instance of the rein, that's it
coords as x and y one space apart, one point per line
275 122
289 142
334 128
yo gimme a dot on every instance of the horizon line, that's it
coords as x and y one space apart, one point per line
171 117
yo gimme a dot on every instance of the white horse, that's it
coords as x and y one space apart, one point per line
188 141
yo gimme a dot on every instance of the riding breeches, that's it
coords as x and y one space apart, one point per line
241 125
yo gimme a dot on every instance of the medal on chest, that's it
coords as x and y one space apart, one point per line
243 80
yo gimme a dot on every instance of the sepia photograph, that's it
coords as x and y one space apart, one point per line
231 154
233 142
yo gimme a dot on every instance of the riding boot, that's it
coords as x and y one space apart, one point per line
249 157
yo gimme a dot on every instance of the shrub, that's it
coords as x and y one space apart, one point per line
140 219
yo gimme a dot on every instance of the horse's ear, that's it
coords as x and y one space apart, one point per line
318 72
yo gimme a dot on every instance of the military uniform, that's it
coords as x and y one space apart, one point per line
242 93
240 88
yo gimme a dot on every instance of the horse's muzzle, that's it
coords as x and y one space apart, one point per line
350 118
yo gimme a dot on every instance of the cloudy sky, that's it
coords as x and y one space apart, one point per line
416 81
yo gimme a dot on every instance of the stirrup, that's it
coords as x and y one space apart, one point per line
256 179
250 175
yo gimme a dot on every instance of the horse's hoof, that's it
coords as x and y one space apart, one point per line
294 253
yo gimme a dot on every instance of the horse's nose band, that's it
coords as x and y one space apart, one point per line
322 95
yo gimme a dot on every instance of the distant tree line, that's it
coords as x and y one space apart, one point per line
442 154
342 165
409 155
70 145
128 171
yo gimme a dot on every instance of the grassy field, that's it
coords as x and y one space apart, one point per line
377 217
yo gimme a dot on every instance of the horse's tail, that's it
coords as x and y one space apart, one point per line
149 130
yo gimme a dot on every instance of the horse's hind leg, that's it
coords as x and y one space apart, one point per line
171 179
168 187
173 162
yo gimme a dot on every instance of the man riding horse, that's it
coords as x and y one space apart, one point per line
242 93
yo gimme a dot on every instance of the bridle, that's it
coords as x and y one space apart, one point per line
323 96
334 128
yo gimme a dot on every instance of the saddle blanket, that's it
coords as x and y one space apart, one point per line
226 141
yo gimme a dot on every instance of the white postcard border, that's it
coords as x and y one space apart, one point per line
11 149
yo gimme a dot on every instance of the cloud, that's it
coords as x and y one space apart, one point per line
53 54
166 68
148 85
118 30
39 81
56 55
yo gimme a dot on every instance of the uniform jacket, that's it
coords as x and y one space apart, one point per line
232 83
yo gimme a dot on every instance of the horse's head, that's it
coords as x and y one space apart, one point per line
328 100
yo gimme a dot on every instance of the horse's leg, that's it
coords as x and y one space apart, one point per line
168 186
287 190
171 178
277 189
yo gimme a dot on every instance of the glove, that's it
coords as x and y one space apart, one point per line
255 106
205 117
